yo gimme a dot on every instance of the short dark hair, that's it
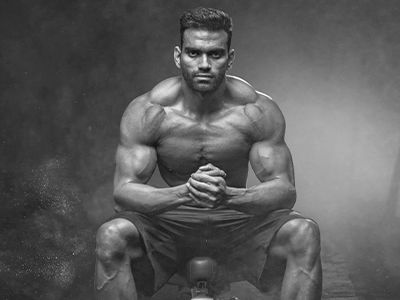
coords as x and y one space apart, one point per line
207 18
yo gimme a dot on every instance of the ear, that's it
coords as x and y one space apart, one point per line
231 58
177 56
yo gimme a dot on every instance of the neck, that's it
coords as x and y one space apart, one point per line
203 103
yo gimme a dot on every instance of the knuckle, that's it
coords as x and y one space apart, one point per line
214 188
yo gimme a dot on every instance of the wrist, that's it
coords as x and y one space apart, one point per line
183 194
232 193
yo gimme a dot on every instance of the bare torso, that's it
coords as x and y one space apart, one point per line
184 141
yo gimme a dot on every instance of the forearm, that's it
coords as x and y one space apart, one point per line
262 198
149 200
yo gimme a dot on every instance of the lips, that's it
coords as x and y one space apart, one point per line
208 76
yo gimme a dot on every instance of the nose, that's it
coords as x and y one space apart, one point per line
204 63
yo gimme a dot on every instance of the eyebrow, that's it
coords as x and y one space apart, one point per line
218 50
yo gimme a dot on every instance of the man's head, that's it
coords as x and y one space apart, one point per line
210 19
205 54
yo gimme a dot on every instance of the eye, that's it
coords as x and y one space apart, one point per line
216 54
193 53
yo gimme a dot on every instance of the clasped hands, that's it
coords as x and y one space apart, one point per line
207 186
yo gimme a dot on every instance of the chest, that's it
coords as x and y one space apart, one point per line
186 144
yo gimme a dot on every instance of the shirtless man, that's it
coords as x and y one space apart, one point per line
202 129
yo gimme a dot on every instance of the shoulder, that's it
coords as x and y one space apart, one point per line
139 120
240 92
143 116
263 108
166 92
266 117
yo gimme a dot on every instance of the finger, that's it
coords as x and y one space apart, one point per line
203 177
215 172
208 166
201 195
200 203
211 170
202 186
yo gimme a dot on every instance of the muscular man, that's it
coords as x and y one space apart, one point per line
202 129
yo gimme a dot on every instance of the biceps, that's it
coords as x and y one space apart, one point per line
134 164
271 161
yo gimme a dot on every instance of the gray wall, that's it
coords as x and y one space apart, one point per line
69 69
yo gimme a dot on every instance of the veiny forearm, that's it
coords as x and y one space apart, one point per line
262 198
149 200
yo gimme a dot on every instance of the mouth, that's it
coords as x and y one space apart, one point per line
203 76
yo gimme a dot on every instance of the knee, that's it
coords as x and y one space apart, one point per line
114 238
303 238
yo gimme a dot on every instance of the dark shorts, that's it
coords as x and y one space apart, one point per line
237 241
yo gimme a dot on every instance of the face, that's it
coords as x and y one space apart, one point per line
204 58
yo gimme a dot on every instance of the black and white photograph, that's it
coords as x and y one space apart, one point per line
200 150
